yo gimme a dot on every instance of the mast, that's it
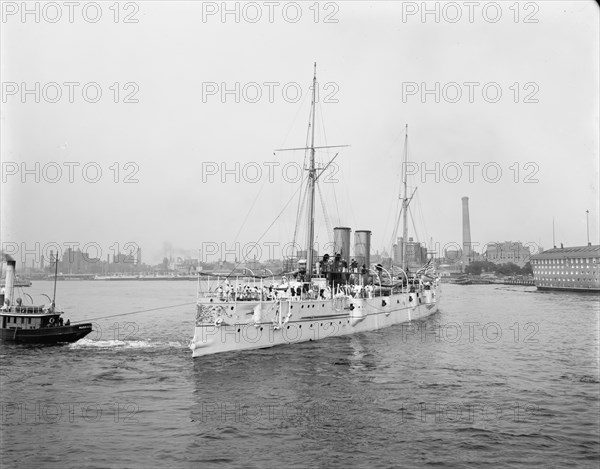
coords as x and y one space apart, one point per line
55 279
404 201
587 224
311 185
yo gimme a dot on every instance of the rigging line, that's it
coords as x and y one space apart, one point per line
299 109
396 226
310 113
397 211
299 211
250 210
337 205
265 232
134 312
308 129
413 224
335 200
323 207
422 219
394 211
321 118
301 202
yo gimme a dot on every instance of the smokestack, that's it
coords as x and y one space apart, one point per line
362 248
466 231
9 284
341 242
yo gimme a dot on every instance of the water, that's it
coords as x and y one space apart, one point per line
500 375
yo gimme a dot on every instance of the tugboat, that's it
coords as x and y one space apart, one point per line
337 296
28 324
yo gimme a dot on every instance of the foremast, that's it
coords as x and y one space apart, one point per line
312 176
405 201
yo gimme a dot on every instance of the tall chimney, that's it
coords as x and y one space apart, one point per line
466 254
9 283
362 248
341 242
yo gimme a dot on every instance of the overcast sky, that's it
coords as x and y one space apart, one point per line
511 88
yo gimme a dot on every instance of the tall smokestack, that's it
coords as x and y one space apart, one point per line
362 248
9 283
466 254
341 242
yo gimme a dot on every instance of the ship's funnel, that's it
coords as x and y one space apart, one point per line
9 284
362 248
341 242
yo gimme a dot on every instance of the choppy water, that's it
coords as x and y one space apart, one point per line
501 376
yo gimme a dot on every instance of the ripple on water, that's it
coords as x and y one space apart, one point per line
379 399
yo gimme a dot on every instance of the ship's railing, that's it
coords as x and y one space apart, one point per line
26 310
221 296
232 294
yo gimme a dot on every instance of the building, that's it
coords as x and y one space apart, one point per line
416 254
572 268
508 251
451 262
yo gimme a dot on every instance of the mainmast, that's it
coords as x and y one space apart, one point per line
311 185
55 279
404 201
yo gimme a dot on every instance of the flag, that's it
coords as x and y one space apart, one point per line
428 270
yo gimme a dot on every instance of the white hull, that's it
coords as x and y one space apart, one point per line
223 326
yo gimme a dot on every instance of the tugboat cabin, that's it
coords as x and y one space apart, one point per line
29 317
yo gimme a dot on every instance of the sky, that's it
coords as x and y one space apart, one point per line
155 124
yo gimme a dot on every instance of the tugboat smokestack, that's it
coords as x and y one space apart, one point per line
9 285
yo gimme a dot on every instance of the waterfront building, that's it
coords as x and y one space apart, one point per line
508 251
416 253
572 268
